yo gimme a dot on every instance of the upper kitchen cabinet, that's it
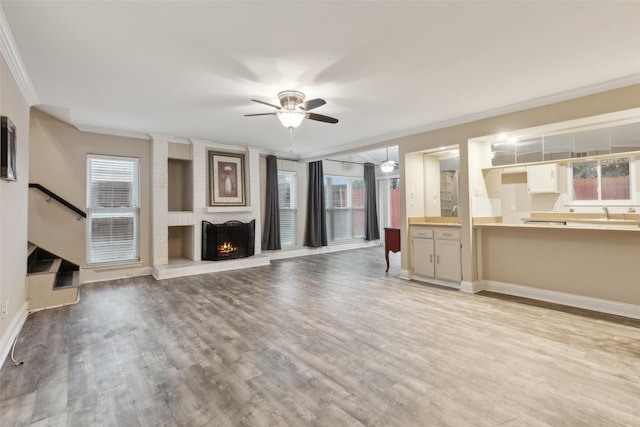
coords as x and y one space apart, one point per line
542 179
529 150
568 145
558 147
503 153
591 142
625 138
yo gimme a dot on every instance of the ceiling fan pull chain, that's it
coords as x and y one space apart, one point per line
291 140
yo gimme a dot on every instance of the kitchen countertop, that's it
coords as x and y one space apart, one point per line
571 225
435 221
436 224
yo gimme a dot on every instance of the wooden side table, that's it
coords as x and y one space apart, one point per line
391 243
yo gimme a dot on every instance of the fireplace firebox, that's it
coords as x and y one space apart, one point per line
233 239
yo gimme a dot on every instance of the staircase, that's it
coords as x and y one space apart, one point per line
51 280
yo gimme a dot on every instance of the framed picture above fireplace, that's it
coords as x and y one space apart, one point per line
226 179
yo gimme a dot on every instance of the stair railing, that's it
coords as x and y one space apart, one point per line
54 196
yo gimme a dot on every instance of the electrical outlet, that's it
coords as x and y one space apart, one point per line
4 309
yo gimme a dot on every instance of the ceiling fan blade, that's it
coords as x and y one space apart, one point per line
266 103
321 118
312 103
261 114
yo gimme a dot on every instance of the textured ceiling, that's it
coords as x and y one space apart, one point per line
385 68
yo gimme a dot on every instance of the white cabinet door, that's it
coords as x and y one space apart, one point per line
423 257
448 260
542 178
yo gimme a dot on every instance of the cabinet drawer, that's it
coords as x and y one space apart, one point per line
422 233
447 234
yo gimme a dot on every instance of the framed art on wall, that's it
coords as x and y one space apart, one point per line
226 179
8 150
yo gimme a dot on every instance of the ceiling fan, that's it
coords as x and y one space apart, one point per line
293 109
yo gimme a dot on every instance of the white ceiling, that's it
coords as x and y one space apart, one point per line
386 68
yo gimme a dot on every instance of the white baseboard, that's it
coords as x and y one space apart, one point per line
471 287
405 275
571 300
6 341
89 276
446 284
57 305
305 251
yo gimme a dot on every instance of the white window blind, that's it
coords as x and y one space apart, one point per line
287 203
113 210
344 200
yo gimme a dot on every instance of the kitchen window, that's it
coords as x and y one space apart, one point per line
113 210
602 182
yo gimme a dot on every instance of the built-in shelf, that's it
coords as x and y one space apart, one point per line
181 242
180 185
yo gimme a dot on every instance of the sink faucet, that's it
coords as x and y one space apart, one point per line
606 212
454 210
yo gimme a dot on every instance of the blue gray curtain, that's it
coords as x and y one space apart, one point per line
371 229
271 232
315 234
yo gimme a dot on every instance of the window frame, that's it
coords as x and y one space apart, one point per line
602 202
293 209
97 212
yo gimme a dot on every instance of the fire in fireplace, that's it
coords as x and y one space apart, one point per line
233 239
226 249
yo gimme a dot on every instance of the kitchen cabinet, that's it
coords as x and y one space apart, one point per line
448 253
542 179
423 254
435 253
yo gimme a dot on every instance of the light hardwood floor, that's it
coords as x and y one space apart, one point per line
326 340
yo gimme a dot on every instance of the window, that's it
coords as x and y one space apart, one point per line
344 199
389 202
287 202
112 210
605 180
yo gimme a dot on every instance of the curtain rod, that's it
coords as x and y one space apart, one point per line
346 161
329 160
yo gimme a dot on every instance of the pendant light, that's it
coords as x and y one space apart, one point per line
388 165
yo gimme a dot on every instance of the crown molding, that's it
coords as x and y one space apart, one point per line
113 132
14 62
225 147
391 138
168 138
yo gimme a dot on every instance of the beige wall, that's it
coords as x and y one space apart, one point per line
594 263
58 157
587 106
13 212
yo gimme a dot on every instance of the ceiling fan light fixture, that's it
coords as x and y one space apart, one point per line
387 166
291 119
